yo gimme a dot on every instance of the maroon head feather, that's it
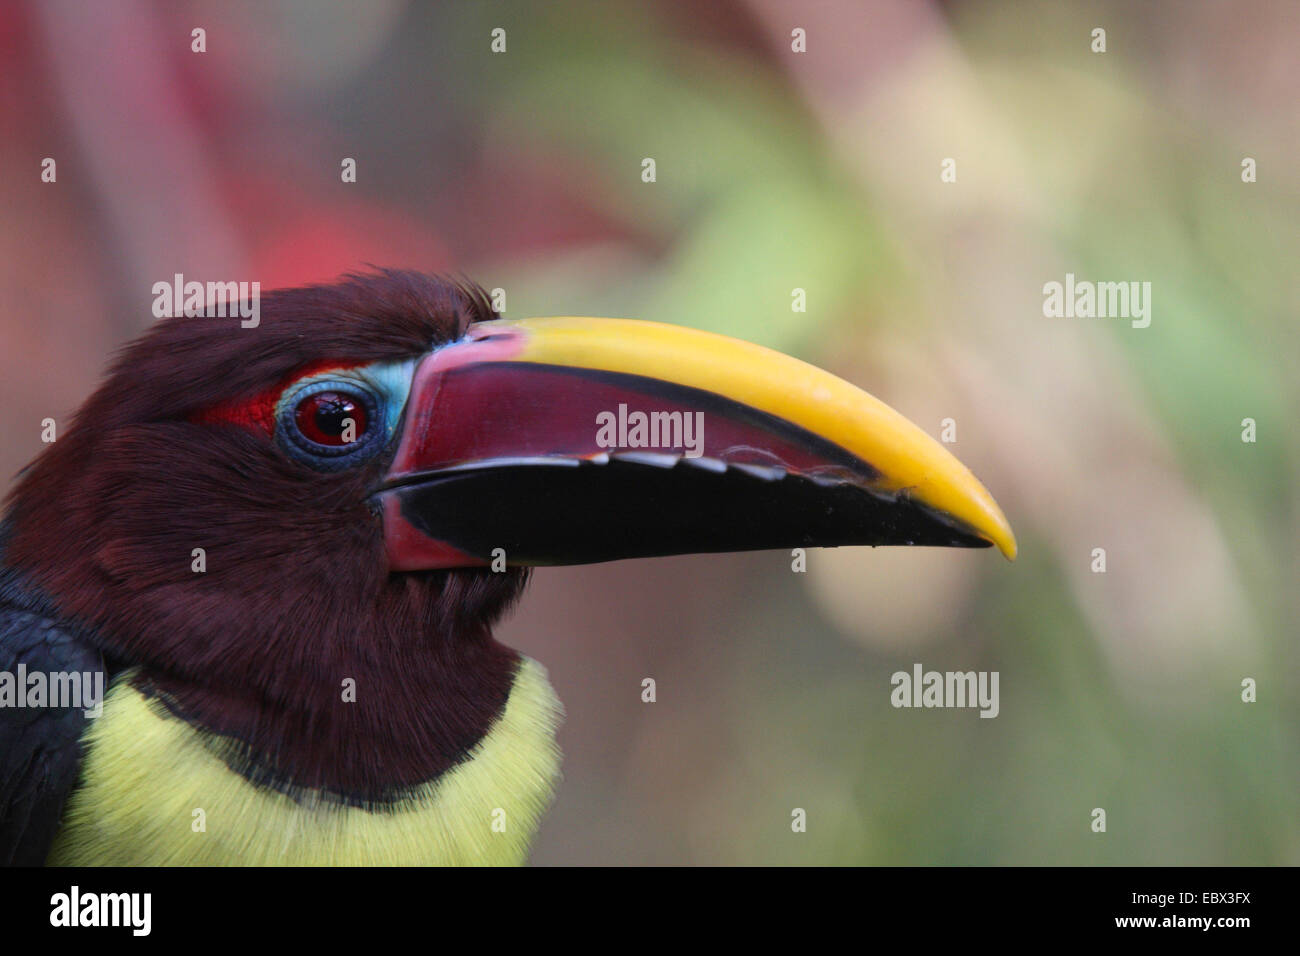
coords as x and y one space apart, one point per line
172 453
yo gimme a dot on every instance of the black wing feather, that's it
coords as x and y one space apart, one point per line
40 751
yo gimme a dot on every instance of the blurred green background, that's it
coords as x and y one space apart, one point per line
778 170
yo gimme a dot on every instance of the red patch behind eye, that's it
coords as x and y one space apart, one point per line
257 413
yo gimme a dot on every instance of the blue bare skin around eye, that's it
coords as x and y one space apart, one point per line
389 381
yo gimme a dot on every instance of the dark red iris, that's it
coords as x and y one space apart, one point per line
323 417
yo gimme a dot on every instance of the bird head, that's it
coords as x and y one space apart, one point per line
358 486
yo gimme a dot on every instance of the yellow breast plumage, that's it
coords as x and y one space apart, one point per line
153 793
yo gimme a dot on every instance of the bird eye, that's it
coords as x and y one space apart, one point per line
330 424
331 418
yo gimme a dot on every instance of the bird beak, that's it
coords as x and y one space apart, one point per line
576 440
